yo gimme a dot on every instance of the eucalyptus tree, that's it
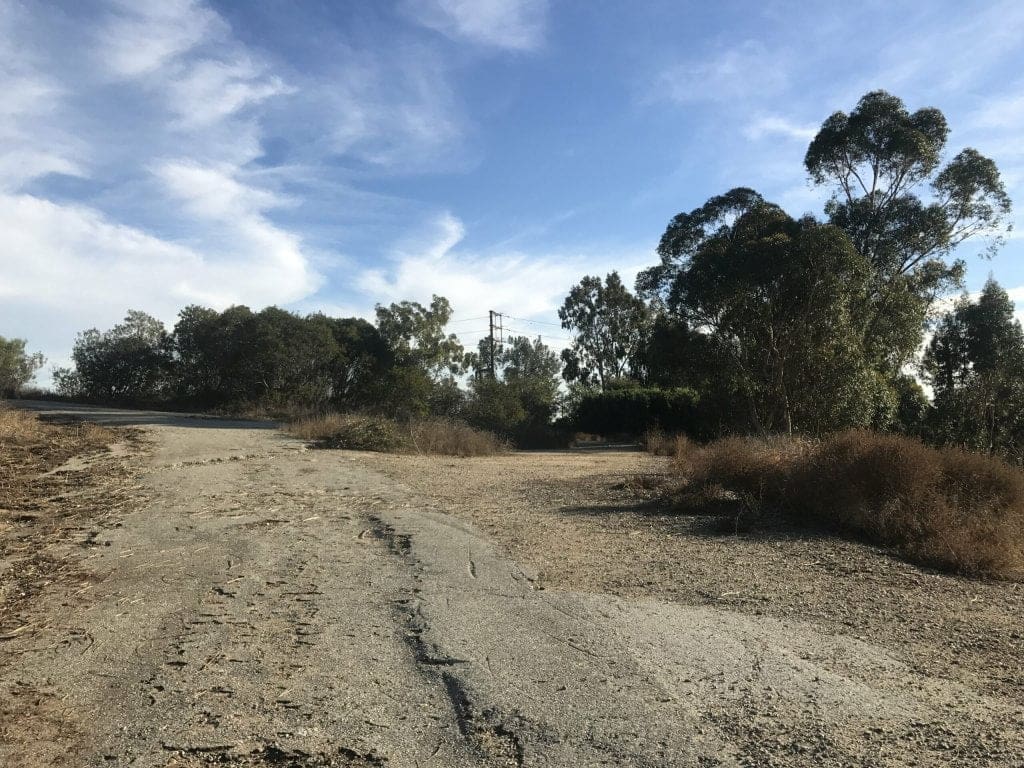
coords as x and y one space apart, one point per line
975 365
905 210
776 298
610 326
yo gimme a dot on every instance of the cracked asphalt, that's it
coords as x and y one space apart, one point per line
274 605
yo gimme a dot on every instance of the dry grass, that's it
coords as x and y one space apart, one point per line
40 508
945 508
660 443
362 432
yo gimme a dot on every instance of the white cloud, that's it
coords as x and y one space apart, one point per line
1006 112
234 216
521 284
144 35
209 91
31 145
510 24
776 125
78 263
394 111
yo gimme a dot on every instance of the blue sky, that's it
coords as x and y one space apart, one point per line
330 155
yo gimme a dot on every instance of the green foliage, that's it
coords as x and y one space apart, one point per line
522 399
415 335
17 367
903 212
610 326
975 364
776 301
807 326
129 363
362 356
274 360
239 357
911 407
633 411
424 361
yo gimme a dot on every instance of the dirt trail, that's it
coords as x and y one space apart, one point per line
272 605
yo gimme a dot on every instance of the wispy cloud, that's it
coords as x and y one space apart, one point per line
162 79
141 36
395 111
509 24
776 125
728 74
210 91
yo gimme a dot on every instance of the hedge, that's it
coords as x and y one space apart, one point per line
633 411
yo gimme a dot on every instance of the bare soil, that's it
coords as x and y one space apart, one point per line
186 592
592 521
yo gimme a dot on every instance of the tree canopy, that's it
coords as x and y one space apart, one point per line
975 364
17 366
610 326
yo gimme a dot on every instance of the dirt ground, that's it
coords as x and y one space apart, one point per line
186 592
587 521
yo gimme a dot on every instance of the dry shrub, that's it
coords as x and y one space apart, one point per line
661 444
355 432
361 432
753 468
452 438
947 508
18 426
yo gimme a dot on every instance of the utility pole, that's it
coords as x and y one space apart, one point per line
500 325
490 318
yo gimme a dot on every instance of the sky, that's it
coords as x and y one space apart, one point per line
328 156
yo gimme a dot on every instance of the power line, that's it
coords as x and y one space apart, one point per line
467 319
534 322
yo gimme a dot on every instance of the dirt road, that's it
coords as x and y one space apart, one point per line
273 605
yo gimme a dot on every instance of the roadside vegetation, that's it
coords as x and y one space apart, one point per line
942 507
790 346
365 432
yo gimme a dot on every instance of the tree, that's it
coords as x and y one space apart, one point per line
975 364
524 392
610 326
130 362
17 367
531 370
415 334
240 357
425 359
362 357
904 213
776 300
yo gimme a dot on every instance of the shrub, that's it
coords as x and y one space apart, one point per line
452 438
947 508
661 444
355 432
943 507
360 432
